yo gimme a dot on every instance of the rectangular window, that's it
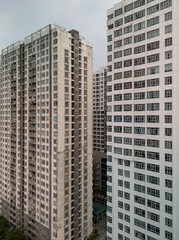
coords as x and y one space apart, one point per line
139 14
128 18
118 54
168 54
153 106
119 22
139 95
139 84
118 33
139 142
127 40
139 130
128 7
139 26
168 29
128 74
139 38
153 118
153 58
118 12
168 93
168 106
117 43
152 21
153 82
168 67
128 29
153 9
127 96
153 33
139 49
165 4
153 46
168 42
128 52
168 16
117 75
153 131
153 94
152 70
139 61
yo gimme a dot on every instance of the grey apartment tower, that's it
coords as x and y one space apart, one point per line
46 135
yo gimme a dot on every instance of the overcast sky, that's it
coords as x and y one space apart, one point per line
19 18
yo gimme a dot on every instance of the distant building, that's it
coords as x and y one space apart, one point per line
143 120
99 131
46 134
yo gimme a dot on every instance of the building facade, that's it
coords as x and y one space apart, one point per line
99 131
143 120
46 134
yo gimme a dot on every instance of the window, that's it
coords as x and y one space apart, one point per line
139 26
168 196
139 72
117 108
153 204
168 42
153 107
139 142
128 18
153 46
127 40
153 229
165 4
152 70
168 235
139 84
168 93
118 97
119 22
153 131
168 54
117 65
139 130
153 118
153 58
117 54
139 95
139 14
168 106
139 176
117 75
127 107
117 118
128 85
168 29
118 12
153 155
152 143
128 7
153 192
128 74
117 43
139 153
168 67
139 3
139 61
168 170
128 29
128 63
128 52
110 16
139 165
109 48
168 118
153 180
153 33
139 49
153 9
153 216
168 16
128 96
153 167
152 94
118 33
139 107
153 82
139 38
109 38
139 211
168 144
152 21
139 223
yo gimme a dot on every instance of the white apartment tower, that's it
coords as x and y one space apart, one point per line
99 130
143 120
46 134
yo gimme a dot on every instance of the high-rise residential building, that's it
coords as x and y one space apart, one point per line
143 120
99 131
46 134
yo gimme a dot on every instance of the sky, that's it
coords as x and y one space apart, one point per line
20 18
